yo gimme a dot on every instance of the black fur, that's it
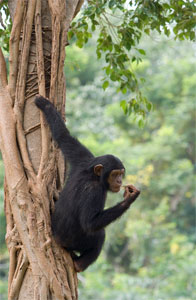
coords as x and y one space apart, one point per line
79 218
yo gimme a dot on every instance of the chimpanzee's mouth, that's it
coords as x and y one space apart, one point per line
116 188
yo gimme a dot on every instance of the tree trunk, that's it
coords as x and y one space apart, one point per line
34 169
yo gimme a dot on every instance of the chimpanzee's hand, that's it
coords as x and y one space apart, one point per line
130 195
42 102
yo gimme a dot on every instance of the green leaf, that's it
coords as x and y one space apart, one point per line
123 104
105 85
117 48
93 27
141 51
112 3
130 109
124 90
80 43
108 70
70 35
147 31
166 31
113 76
175 29
192 35
136 107
149 106
98 53
95 22
141 123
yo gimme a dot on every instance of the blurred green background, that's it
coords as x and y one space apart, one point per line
149 253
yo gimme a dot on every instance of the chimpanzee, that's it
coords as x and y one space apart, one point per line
79 217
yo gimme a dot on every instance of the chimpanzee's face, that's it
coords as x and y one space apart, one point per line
115 180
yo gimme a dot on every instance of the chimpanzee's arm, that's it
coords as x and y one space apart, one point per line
72 149
96 220
107 216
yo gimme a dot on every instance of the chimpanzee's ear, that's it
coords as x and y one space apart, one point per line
98 169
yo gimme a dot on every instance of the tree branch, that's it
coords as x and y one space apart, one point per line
19 275
39 49
14 47
21 82
3 70
27 30
78 7
58 10
42 86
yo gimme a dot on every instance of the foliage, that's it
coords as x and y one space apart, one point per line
121 25
5 30
150 252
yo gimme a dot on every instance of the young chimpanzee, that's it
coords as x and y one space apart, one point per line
79 218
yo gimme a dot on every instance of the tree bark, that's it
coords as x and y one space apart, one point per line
34 169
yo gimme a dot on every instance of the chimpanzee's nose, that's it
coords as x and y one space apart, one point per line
119 180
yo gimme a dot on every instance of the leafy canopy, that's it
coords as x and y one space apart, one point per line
120 25
149 253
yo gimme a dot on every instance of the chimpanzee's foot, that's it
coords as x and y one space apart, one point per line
78 267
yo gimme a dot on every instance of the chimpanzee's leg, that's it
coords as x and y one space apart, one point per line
90 254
